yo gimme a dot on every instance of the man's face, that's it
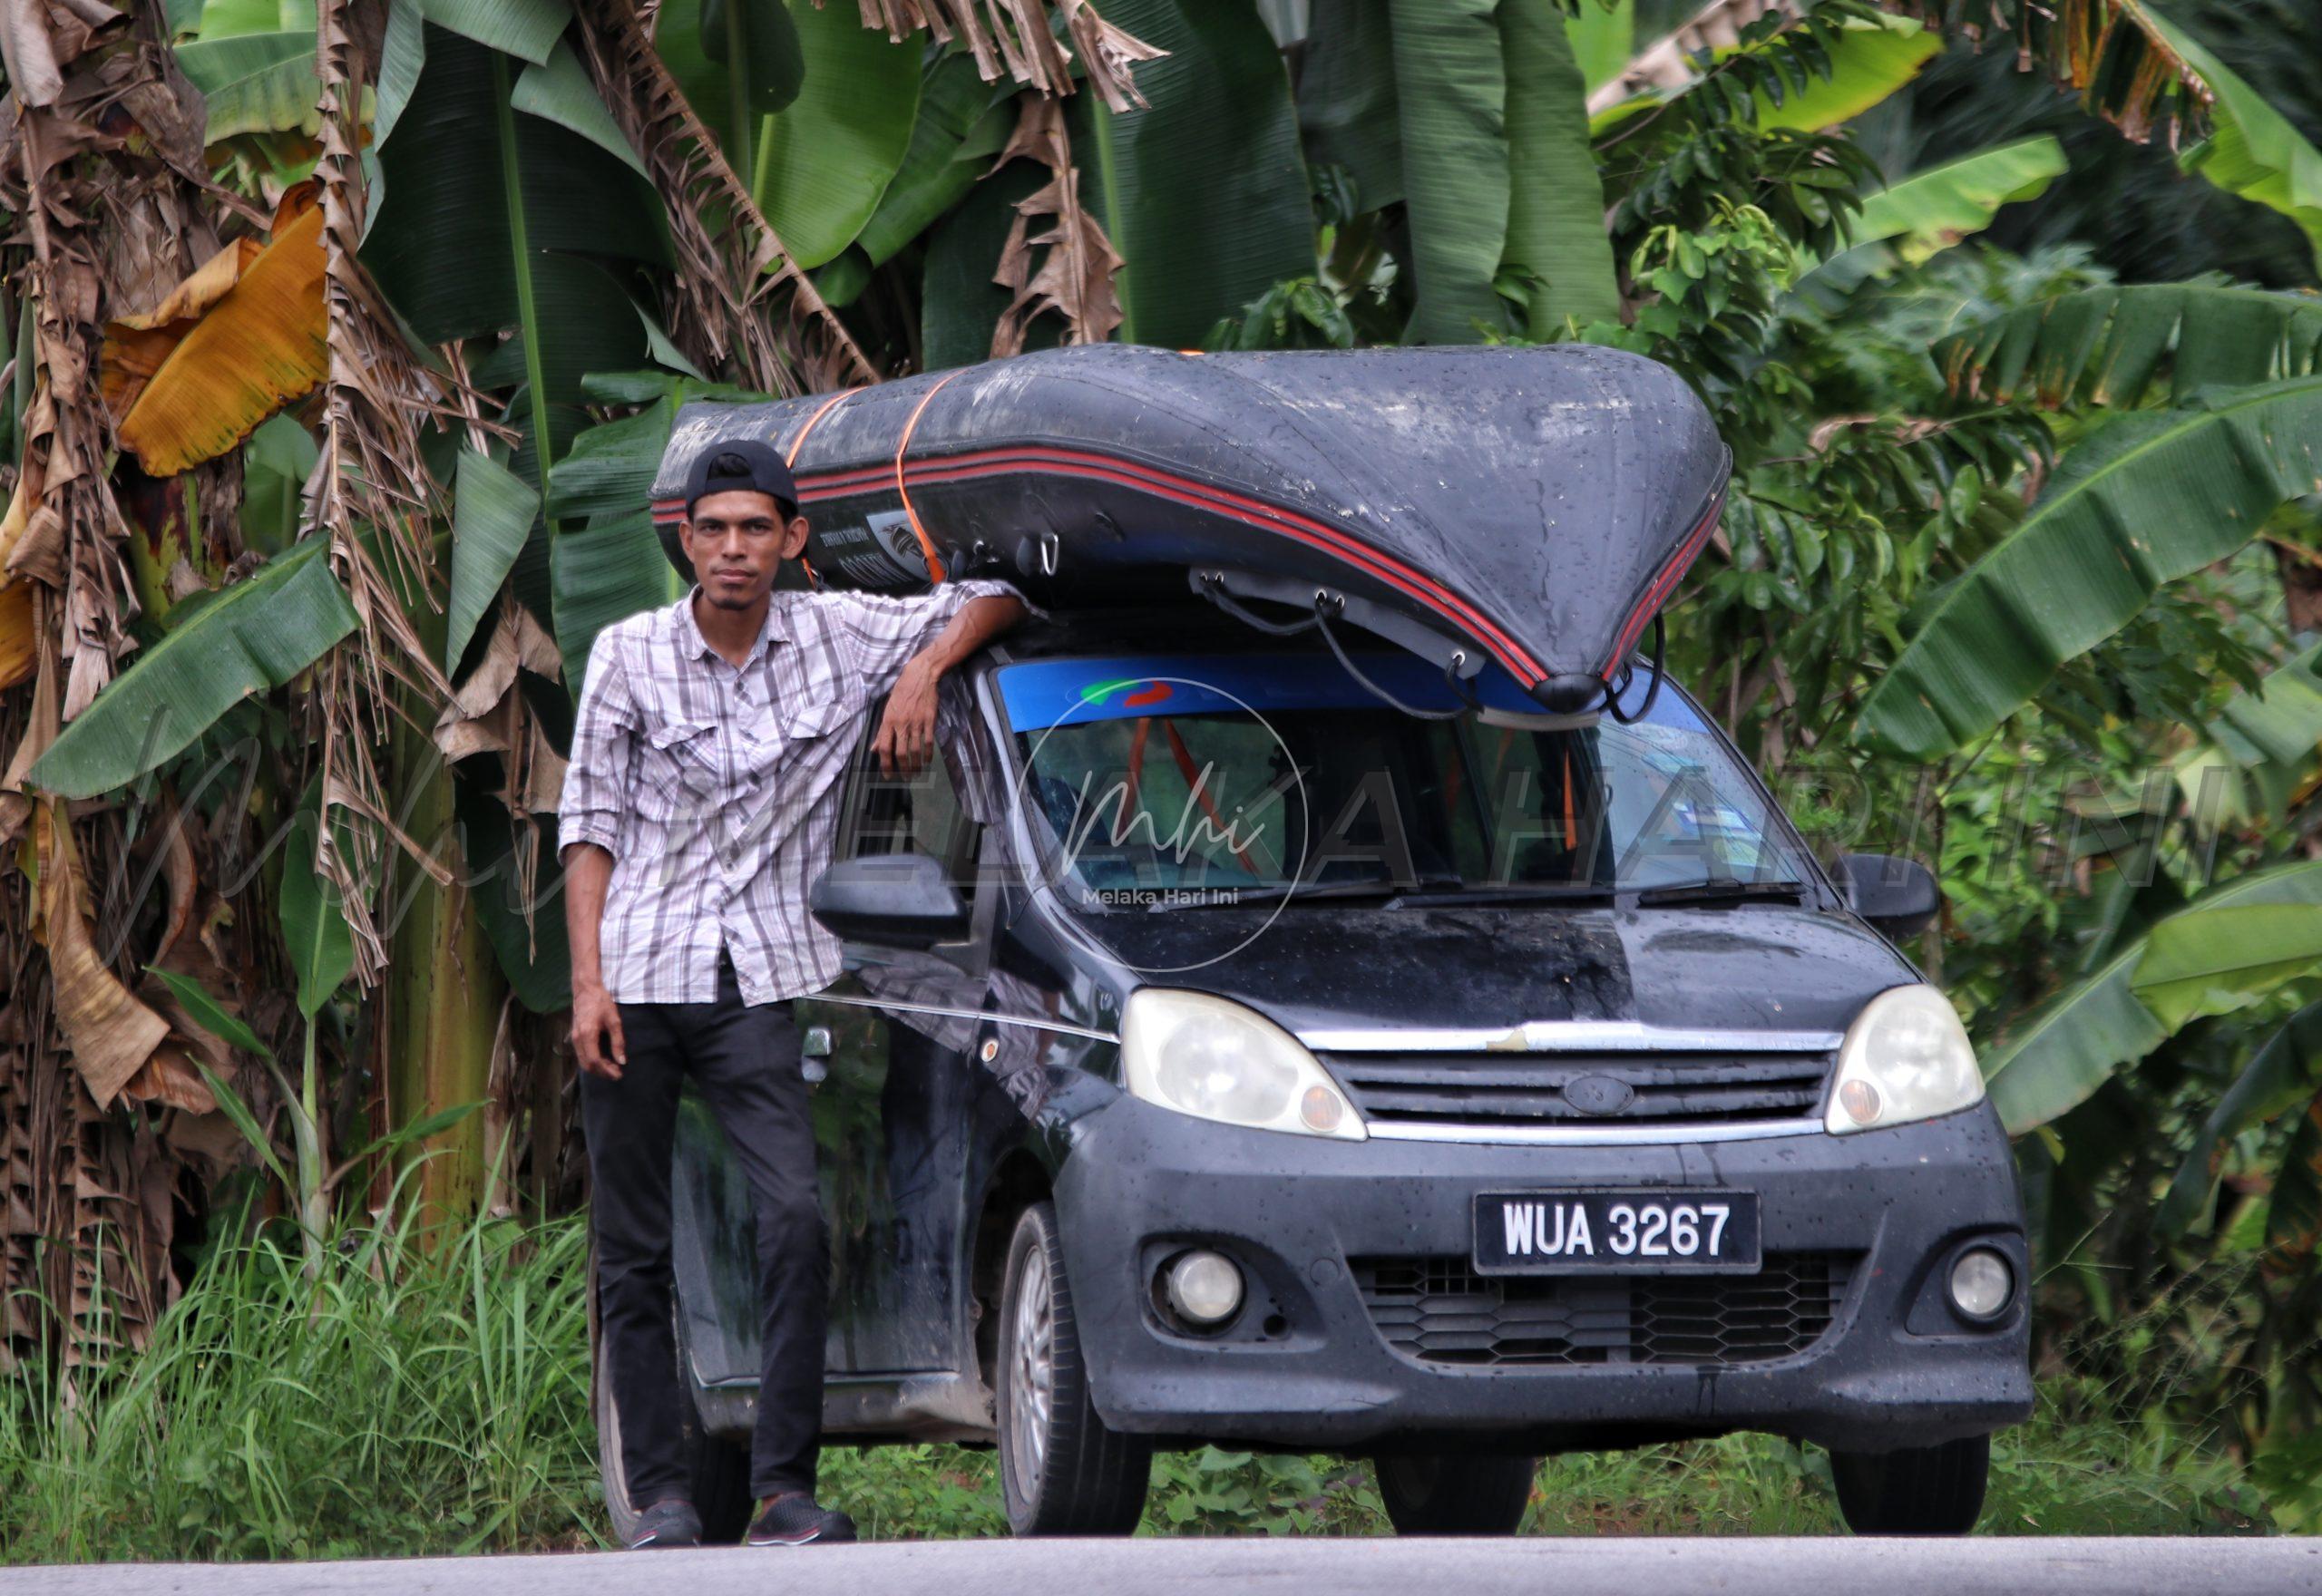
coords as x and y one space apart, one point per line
736 541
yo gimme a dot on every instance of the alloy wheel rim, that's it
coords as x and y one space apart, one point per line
1032 1364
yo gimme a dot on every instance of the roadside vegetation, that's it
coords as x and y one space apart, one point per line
430 1399
338 344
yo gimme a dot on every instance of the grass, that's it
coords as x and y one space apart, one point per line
428 1399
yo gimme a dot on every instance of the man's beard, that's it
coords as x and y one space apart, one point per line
718 600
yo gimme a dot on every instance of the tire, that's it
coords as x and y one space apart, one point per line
721 1469
1439 1494
1062 1471
1915 1491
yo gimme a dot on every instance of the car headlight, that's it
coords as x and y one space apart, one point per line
1213 1059
1906 1057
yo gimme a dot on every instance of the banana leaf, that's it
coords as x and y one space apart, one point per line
528 29
492 512
533 953
605 571
2063 1052
314 933
1932 209
227 348
1601 38
2293 1210
441 248
1869 63
2210 961
959 303
559 90
963 122
2261 750
2118 346
825 161
255 83
495 218
2149 498
276 464
732 95
1556 212
228 19
1451 100
255 636
1204 193
1346 98
2281 1075
2253 150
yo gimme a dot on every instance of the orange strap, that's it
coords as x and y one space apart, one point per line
799 441
926 546
1186 768
791 458
1136 764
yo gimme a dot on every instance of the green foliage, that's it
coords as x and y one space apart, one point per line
255 636
2149 499
424 1396
1203 193
428 1394
825 161
2112 345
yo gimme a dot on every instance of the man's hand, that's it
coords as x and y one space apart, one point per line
597 1041
906 735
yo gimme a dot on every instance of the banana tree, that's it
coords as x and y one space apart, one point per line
2152 495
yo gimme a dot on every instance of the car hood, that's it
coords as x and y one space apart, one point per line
1754 968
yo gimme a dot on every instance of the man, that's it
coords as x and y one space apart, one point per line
699 807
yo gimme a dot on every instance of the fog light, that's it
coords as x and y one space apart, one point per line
1860 1100
1205 1288
1322 1109
1982 1283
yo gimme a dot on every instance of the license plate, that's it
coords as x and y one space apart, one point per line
1625 1231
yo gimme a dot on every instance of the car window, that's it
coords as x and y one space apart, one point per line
1185 773
919 813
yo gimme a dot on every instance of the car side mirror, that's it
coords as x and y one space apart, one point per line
1899 897
889 899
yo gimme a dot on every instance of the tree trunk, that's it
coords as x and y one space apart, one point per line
442 988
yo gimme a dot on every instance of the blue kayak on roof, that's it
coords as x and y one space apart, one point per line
1529 508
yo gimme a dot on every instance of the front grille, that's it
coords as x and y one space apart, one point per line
1513 1090
1439 1311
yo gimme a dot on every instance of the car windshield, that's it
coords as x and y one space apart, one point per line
1172 780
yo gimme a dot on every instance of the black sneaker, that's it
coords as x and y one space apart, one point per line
670 1522
797 1519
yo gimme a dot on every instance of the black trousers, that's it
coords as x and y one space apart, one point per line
744 1060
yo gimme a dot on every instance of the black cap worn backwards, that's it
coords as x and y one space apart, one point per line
743 467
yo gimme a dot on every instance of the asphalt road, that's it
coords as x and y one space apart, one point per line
2009 1566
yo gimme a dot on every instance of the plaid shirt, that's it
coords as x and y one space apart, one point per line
715 787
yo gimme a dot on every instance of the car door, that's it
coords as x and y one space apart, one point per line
894 1040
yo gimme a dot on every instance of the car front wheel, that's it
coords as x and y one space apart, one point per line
1438 1494
1915 1491
1062 1471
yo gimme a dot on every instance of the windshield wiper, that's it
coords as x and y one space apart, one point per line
1721 890
1233 897
1513 893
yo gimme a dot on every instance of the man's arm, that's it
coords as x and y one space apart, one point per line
597 1041
596 789
905 739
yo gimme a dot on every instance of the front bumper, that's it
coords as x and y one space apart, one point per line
1306 1364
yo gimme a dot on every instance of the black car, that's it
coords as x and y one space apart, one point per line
1240 1046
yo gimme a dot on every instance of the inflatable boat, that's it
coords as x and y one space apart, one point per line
1531 507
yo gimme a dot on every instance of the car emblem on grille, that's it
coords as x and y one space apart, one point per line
1599 1094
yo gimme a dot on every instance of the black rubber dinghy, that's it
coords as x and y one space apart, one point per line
1535 506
